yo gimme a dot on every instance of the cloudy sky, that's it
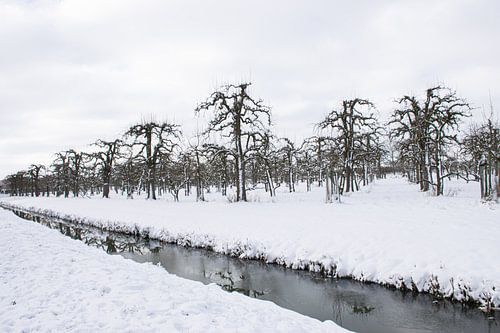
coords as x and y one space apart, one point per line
77 70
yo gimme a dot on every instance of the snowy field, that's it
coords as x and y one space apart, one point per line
50 283
389 233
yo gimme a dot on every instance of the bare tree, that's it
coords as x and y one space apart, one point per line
176 179
268 156
34 172
195 154
220 164
242 119
424 129
106 159
481 143
129 171
62 173
155 141
310 160
289 153
18 183
76 164
348 125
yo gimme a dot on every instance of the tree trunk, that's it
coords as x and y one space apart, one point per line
241 194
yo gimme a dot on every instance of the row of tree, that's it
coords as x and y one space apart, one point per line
238 149
429 149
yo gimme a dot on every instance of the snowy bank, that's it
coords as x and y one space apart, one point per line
52 283
390 234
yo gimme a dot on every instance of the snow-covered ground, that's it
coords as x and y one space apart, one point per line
50 283
389 233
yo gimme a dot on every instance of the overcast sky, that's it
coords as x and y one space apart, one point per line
77 70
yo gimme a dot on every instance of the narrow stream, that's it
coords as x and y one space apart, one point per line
357 306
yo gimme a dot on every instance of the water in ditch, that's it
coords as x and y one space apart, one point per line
357 306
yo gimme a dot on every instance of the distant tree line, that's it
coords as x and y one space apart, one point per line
350 148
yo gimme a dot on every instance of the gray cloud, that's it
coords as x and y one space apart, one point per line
73 71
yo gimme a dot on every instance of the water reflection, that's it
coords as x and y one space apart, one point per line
357 306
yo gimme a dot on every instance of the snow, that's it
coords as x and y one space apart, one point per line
50 283
389 233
